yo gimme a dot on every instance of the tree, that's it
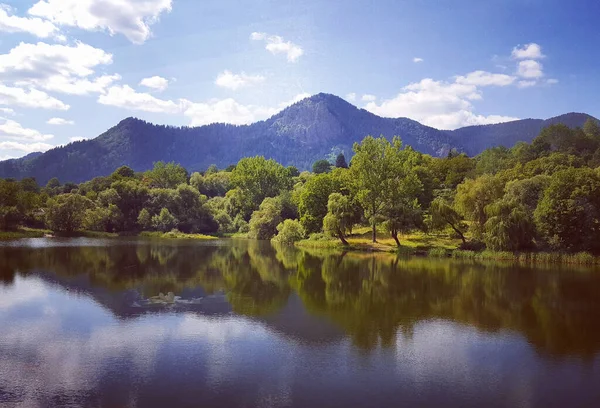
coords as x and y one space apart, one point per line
474 195
53 183
166 175
321 166
568 215
144 220
592 130
123 172
509 227
375 169
260 178
164 221
339 216
312 200
443 215
212 184
403 216
288 232
66 212
101 218
264 221
340 161
131 196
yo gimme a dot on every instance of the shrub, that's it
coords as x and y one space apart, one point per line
289 231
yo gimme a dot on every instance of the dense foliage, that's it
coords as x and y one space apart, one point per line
543 195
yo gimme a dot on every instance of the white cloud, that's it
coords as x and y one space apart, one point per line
132 18
444 105
10 23
59 121
530 69
483 78
29 99
416 60
277 45
155 82
552 81
200 113
368 98
57 67
126 97
228 79
10 129
26 147
231 111
528 51
8 111
351 97
526 84
77 139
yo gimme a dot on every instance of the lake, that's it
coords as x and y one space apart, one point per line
236 323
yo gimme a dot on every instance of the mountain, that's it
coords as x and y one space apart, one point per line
299 135
475 139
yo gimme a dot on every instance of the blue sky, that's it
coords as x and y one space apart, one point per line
70 69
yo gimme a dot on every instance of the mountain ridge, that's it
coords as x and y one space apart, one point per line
308 130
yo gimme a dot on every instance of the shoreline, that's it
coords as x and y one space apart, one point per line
357 246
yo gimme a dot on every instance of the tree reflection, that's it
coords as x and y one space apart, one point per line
373 297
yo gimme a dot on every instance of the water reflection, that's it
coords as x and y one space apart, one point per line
246 323
373 297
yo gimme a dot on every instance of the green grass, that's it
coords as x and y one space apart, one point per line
23 233
580 258
437 253
175 235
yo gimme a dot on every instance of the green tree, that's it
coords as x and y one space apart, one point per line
474 195
339 218
144 219
509 227
65 212
340 161
166 175
164 221
260 178
443 215
123 172
375 169
321 166
568 215
288 232
312 200
131 196
264 221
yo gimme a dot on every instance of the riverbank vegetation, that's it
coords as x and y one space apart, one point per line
537 197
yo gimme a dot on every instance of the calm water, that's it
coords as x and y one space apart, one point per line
243 324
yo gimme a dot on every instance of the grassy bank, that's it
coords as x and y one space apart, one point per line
24 233
579 258
175 235
417 243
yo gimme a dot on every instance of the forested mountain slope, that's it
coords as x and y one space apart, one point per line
307 131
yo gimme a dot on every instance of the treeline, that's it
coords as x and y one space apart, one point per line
543 195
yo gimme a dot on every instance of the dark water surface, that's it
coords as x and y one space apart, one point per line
244 324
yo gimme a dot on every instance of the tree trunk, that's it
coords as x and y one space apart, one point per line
460 234
395 236
374 232
342 238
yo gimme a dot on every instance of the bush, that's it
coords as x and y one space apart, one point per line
289 231
437 253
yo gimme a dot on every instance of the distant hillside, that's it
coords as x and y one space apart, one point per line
299 135
475 139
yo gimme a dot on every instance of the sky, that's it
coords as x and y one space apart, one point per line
71 69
